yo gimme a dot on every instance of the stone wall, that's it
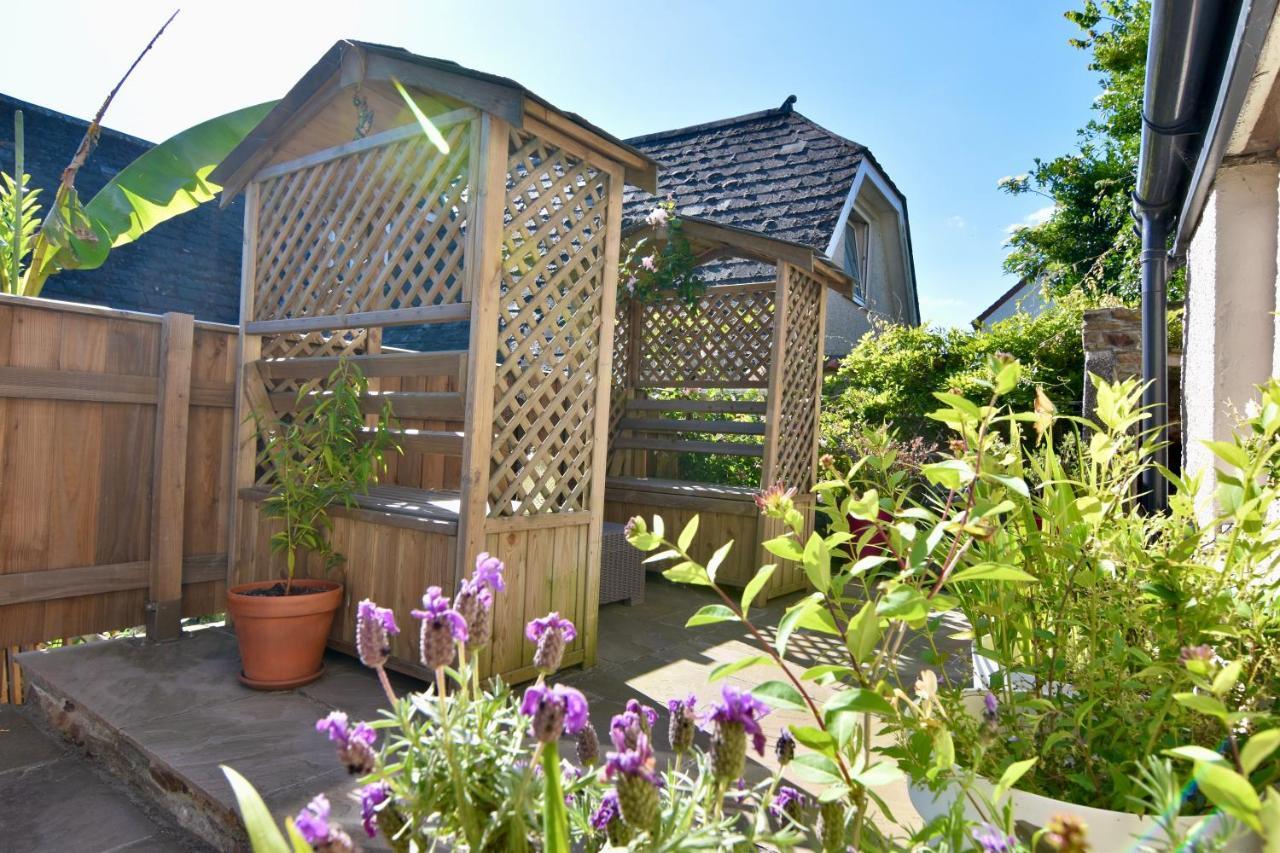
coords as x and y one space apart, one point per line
1113 350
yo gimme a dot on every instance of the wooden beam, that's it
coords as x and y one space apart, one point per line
169 478
727 407
38 383
426 405
244 454
726 448
445 442
444 363
422 314
377 140
505 102
672 425
52 584
662 500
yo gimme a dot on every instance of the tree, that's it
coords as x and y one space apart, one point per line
1088 243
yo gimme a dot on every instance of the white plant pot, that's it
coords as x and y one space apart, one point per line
1108 830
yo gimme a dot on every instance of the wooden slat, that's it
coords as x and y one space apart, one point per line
727 448
724 407
428 405
660 501
427 514
213 394
169 478
445 363
37 383
51 584
684 425
425 440
449 313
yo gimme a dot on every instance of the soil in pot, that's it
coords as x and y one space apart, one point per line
282 637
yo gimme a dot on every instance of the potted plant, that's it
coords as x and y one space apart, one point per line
324 455
1134 665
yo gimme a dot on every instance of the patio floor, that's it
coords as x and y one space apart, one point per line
164 717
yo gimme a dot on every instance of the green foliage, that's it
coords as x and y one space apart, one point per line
647 272
19 221
890 377
711 468
320 458
1088 242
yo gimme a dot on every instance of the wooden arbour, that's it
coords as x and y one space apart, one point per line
357 221
766 337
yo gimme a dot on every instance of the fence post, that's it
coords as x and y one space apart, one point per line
169 478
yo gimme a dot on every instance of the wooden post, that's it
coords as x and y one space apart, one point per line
244 455
600 448
483 284
773 414
169 478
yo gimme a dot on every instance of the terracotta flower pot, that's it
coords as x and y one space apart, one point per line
282 637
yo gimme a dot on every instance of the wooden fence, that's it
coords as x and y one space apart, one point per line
115 471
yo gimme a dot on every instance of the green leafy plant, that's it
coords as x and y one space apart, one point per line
169 179
649 272
323 456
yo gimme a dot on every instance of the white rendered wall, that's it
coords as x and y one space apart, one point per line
1230 338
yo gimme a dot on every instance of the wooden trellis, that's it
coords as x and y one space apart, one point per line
761 337
356 222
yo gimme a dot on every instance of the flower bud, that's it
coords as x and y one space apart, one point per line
831 825
588 745
785 748
728 752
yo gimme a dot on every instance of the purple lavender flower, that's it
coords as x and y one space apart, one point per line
990 704
374 628
489 573
991 840
635 780
784 748
355 743
474 602
588 745
551 633
554 710
790 803
441 626
607 813
314 826
647 716
371 797
682 723
730 721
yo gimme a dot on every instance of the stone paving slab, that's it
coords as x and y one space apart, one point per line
51 800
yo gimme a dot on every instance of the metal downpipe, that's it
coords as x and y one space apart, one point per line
1155 352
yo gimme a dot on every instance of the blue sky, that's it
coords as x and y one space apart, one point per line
949 96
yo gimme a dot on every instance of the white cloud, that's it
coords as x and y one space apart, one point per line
1035 217
956 222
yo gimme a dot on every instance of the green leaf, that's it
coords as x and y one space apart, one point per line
906 603
757 583
817 563
716 559
686 535
264 835
791 620
786 547
710 614
780 694
822 670
991 572
878 775
687 572
1191 752
1228 452
813 767
1202 703
299 843
814 738
856 700
170 178
949 474
863 633
1227 678
867 507
726 669
1007 378
1258 748
1010 777
1231 792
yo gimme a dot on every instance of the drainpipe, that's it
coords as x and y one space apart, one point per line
1178 55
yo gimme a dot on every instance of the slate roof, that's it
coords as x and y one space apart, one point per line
775 171
190 263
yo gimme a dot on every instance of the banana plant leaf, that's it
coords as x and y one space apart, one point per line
168 180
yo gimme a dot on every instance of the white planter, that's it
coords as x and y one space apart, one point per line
1108 830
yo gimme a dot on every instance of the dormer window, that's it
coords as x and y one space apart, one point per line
856 253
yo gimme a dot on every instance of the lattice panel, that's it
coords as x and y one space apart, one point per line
549 325
798 412
378 229
620 380
723 341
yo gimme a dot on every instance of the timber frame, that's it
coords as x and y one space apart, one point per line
357 221
761 337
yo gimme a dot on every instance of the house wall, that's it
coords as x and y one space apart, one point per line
1230 332
1029 299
